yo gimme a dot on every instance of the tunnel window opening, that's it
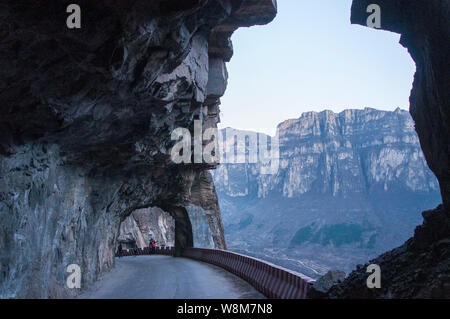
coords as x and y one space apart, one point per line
311 58
352 179
143 225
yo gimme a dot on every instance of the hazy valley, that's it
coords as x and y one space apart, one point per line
349 187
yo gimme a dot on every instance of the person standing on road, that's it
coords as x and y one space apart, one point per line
119 251
152 246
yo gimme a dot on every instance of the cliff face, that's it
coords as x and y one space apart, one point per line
421 267
353 152
131 235
87 117
349 186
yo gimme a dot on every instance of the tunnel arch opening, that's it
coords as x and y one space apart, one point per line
243 224
142 225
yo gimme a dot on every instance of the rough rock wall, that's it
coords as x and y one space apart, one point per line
129 231
204 196
421 267
87 116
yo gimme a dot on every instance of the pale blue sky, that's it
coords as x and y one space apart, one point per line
311 58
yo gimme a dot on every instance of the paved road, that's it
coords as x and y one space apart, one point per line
165 277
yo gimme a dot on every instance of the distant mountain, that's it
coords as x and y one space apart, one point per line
349 187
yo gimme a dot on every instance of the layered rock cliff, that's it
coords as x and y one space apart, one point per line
355 151
349 186
87 117
421 267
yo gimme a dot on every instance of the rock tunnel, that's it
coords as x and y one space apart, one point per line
87 116
195 214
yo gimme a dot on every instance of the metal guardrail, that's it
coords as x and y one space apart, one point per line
273 281
169 251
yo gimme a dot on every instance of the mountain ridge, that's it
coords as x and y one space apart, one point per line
349 185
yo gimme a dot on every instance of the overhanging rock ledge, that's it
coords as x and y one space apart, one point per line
86 120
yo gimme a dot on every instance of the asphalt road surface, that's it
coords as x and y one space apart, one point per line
166 277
